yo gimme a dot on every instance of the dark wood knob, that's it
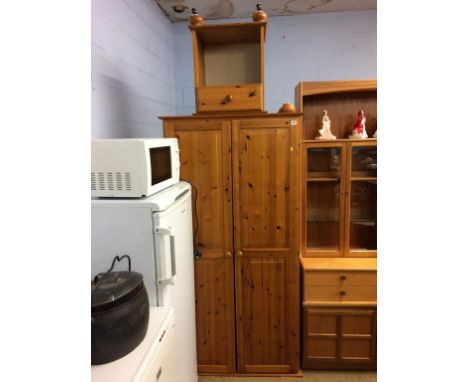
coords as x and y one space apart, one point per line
342 292
252 94
342 277
227 99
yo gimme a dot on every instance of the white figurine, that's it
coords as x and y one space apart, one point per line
325 131
375 134
359 128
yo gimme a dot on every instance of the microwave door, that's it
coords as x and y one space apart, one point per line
161 166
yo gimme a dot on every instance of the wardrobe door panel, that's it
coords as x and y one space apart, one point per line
205 157
266 213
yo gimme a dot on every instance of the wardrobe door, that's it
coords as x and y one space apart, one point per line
266 220
205 157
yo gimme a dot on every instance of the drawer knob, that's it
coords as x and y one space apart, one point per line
342 277
227 99
240 253
228 254
252 94
342 293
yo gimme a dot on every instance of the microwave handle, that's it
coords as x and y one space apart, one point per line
167 231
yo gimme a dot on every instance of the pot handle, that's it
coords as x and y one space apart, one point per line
167 231
101 276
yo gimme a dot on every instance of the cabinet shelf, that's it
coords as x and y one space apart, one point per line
342 100
322 221
327 141
364 222
323 179
364 178
322 249
323 174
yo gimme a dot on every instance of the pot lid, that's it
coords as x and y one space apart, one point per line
108 289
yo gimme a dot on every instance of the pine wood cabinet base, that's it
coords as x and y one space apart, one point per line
339 338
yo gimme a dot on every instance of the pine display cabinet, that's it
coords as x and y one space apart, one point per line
339 227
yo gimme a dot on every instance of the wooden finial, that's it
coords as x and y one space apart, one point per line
287 107
260 15
195 19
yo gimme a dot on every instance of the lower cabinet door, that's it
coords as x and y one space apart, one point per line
339 339
214 302
267 335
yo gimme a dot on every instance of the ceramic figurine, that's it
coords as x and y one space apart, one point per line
325 131
359 128
260 15
287 107
195 19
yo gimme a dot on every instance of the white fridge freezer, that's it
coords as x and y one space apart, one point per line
156 232
153 360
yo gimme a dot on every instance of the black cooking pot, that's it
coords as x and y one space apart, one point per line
119 313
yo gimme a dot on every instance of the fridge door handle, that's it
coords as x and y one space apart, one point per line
168 232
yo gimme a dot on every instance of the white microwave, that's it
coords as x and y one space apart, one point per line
133 167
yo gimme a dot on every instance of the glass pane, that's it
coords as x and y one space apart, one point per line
363 228
323 212
364 161
323 162
161 168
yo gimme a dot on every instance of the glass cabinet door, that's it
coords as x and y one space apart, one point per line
363 201
324 201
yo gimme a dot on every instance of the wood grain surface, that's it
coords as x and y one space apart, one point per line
205 157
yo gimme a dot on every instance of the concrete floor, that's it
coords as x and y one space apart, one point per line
309 376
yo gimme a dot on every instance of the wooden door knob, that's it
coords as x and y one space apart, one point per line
227 99
228 254
240 253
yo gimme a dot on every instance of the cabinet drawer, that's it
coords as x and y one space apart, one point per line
230 98
340 278
341 293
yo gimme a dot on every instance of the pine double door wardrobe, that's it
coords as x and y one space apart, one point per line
245 174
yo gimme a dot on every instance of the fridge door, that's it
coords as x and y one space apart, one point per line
179 293
119 229
166 260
